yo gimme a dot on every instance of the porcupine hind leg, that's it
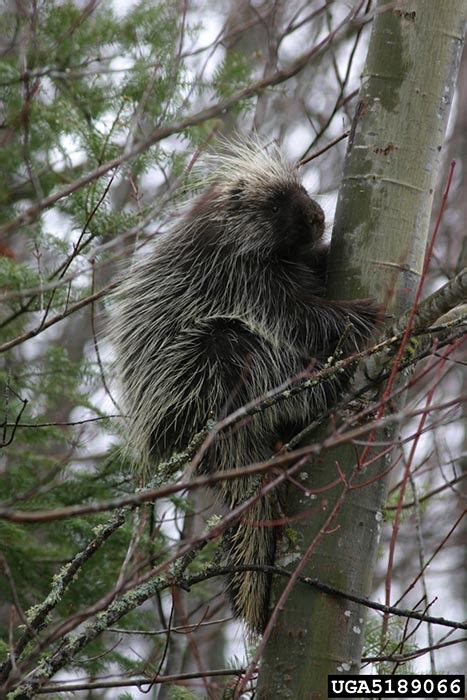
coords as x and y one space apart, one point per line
223 365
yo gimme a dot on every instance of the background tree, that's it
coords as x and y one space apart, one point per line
105 110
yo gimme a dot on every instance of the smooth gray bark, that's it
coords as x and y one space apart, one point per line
379 242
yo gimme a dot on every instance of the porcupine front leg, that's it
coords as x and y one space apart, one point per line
337 330
351 321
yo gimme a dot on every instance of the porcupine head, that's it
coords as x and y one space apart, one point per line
225 307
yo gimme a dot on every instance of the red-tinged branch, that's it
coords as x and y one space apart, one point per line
147 495
128 601
397 519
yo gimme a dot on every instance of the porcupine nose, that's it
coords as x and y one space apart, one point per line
306 219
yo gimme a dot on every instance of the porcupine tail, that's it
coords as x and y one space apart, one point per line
252 542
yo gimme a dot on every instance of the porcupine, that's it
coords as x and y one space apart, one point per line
228 305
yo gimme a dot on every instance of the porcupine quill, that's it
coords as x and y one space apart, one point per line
228 305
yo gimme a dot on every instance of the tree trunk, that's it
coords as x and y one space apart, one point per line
379 241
